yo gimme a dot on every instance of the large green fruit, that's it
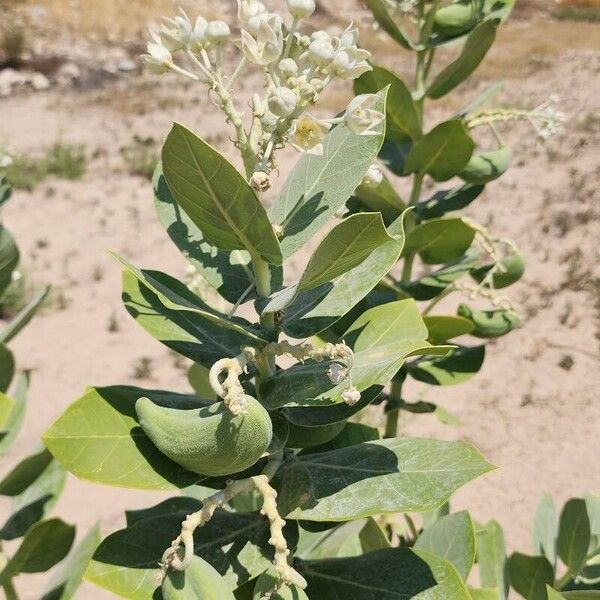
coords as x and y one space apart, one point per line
456 18
486 166
514 267
200 581
307 437
489 323
209 440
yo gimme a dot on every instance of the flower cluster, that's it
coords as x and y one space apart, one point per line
296 67
5 160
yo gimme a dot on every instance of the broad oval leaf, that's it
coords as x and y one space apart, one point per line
22 318
573 535
448 201
478 43
383 198
315 310
458 366
553 594
235 544
44 545
453 538
446 327
98 438
388 574
343 249
439 241
491 557
403 122
545 529
384 476
320 185
12 424
65 583
25 473
443 153
7 367
9 257
529 575
216 197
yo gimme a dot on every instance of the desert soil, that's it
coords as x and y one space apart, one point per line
534 408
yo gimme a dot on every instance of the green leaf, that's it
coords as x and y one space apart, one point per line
444 328
31 505
484 594
341 541
352 434
7 367
387 23
372 537
320 185
385 476
25 473
451 538
476 47
593 509
457 367
529 575
9 258
439 241
23 317
200 334
270 581
65 583
5 190
98 438
553 594
573 535
198 379
235 544
443 153
582 595
447 201
6 406
13 423
216 197
545 529
317 309
382 198
391 574
382 338
432 285
44 545
403 122
491 557
344 248
230 273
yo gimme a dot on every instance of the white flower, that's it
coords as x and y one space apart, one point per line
248 9
176 33
349 38
158 59
321 52
301 9
266 48
361 117
308 133
288 68
218 32
321 35
373 177
199 38
5 160
273 20
283 102
351 63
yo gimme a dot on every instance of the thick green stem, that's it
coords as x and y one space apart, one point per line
391 421
262 274
9 591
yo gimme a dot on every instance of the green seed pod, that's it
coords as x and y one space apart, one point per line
489 323
266 584
455 19
210 440
486 166
307 437
514 267
200 580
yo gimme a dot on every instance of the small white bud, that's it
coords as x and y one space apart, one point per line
199 39
248 9
218 32
175 33
321 35
288 68
260 181
351 63
321 52
5 160
373 177
283 102
351 396
301 9
361 117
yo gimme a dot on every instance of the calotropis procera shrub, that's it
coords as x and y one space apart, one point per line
34 484
284 496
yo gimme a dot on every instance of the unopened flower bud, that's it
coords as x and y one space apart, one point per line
288 68
373 177
248 9
301 9
321 52
218 32
260 181
199 39
269 121
283 102
175 33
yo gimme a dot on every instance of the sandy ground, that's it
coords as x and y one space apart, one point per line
533 418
